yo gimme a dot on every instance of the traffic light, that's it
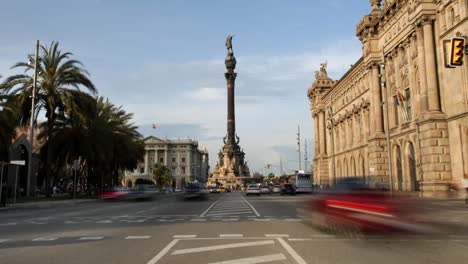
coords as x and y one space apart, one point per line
458 50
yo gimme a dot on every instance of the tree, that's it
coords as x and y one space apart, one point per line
8 123
59 77
161 174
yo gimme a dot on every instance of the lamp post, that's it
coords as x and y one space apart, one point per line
31 124
332 123
387 132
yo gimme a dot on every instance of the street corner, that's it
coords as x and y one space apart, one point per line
227 249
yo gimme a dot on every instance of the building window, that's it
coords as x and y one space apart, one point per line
142 170
395 110
173 159
183 159
161 160
183 170
408 104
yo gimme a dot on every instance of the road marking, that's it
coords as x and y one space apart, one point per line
262 219
8 224
90 238
137 237
230 210
322 236
163 252
299 239
198 220
45 239
37 223
184 236
219 247
291 252
4 240
276 235
251 207
70 222
134 221
231 235
292 220
211 206
254 260
232 213
104 222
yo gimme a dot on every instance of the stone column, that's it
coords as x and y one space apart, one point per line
316 135
431 69
376 98
166 157
323 150
146 162
423 107
371 90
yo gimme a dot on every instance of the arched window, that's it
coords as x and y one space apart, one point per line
412 168
399 168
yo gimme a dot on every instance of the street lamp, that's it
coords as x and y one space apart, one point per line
31 125
332 123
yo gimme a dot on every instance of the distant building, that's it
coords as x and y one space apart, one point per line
184 157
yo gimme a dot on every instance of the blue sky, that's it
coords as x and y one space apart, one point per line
163 61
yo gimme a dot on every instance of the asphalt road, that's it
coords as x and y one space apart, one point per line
225 228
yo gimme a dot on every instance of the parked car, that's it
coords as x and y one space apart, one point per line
265 189
288 188
277 188
195 190
252 189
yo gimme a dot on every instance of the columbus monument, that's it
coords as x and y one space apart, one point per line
231 166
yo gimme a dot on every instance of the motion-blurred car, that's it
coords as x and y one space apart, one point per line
265 189
288 188
143 192
277 188
115 193
352 207
252 189
195 190
222 189
214 189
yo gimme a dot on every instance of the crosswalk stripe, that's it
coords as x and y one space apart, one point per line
231 235
45 239
254 260
184 236
90 238
276 235
137 237
4 240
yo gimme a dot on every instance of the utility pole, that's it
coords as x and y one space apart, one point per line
305 155
299 144
31 124
385 102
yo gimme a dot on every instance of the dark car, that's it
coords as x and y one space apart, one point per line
353 206
288 188
195 190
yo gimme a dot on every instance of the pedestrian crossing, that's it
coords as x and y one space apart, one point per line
235 206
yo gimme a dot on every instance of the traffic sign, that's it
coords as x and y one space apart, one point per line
18 162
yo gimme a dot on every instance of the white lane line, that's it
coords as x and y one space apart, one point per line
90 238
276 235
251 206
197 220
163 252
4 240
262 219
254 260
231 235
137 237
322 236
184 236
300 239
45 239
219 247
233 213
291 252
292 220
229 210
104 222
211 206
8 224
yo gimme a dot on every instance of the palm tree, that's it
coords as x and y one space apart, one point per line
59 78
8 124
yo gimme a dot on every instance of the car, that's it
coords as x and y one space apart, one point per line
265 189
228 189
277 188
143 192
195 190
252 189
354 207
115 193
214 189
288 188
222 189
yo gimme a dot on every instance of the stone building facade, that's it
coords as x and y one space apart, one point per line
184 157
403 67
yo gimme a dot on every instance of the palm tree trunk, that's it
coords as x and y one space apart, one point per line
48 164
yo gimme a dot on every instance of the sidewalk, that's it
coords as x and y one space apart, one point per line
44 204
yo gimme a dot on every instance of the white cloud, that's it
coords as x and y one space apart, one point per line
207 94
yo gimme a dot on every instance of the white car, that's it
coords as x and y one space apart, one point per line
277 189
265 189
252 189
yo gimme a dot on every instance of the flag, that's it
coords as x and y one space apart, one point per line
154 126
400 102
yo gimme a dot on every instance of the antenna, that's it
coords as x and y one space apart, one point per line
299 144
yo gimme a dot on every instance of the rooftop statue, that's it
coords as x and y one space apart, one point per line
322 72
229 43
